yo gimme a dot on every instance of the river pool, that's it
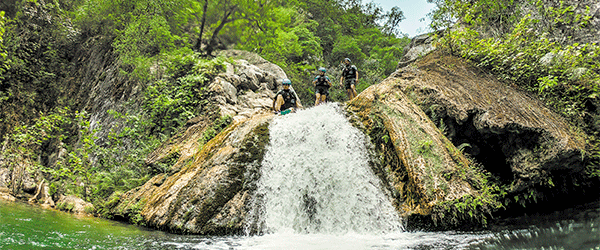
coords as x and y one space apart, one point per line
23 226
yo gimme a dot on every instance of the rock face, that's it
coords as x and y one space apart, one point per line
574 32
419 46
248 86
438 108
208 190
424 168
513 135
74 204
208 186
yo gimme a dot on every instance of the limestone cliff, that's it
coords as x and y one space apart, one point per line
438 109
208 190
514 135
424 169
209 184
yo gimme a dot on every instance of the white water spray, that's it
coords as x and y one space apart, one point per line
316 178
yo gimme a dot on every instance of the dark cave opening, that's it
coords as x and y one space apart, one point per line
485 148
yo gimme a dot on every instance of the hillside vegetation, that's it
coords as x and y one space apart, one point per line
549 48
89 88
149 63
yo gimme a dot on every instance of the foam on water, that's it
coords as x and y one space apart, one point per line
316 178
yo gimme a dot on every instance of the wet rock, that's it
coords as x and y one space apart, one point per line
208 194
73 204
420 164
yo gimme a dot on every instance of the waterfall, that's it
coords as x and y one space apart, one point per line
316 178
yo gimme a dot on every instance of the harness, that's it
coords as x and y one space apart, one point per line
349 72
322 81
289 99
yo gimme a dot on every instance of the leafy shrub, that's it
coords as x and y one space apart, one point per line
180 96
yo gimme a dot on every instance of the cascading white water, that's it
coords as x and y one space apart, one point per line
316 178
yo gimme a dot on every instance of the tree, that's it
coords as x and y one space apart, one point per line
202 24
394 17
228 13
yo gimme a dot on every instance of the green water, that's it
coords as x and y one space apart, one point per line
28 227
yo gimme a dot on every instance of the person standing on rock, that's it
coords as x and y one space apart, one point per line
349 78
322 84
285 100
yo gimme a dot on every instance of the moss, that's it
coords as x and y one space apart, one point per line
203 209
388 165
65 206
166 163
420 144
254 145
135 213
188 214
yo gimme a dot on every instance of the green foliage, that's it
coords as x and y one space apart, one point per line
347 46
65 206
32 62
530 52
424 146
28 143
215 129
138 30
564 75
477 207
135 216
304 35
3 63
289 39
170 102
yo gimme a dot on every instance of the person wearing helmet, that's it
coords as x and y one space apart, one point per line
322 84
349 78
285 100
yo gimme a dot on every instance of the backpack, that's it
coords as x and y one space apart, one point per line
350 71
322 80
288 96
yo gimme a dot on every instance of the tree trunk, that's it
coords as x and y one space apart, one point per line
198 46
226 19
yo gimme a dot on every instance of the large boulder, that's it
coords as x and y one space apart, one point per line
74 204
248 85
256 60
208 189
512 134
427 175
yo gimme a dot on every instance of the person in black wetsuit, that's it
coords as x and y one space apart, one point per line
285 98
349 78
322 84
